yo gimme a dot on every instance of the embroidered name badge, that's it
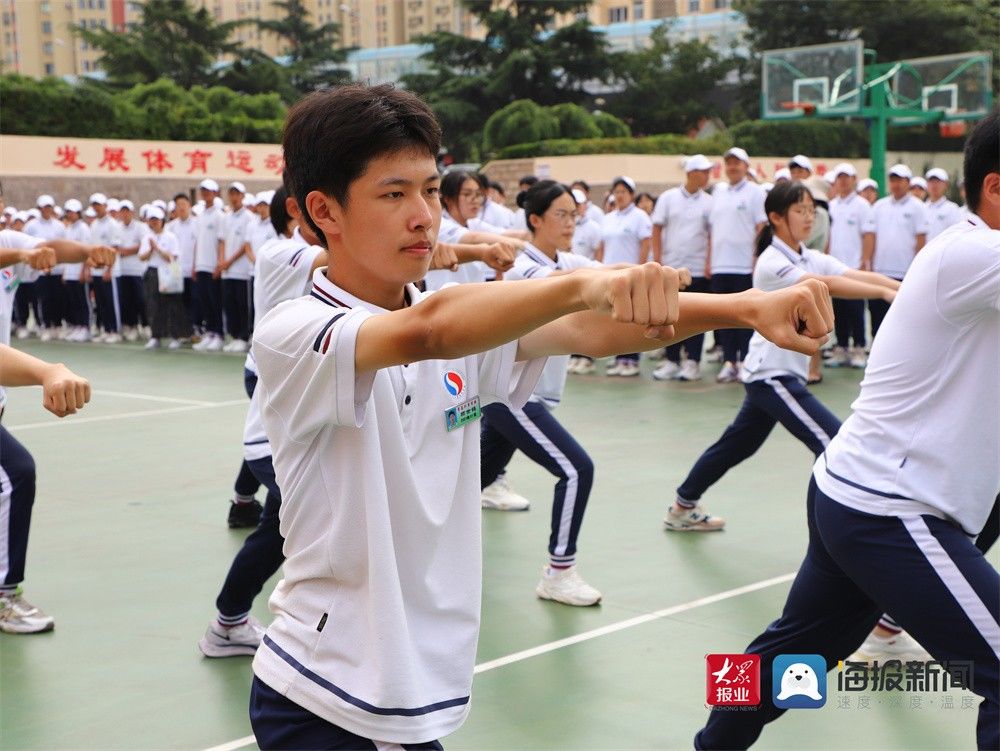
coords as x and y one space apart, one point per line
463 414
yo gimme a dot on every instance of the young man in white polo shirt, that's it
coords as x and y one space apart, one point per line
208 257
681 240
737 217
900 222
48 285
852 237
130 270
105 230
372 394
235 267
910 479
941 213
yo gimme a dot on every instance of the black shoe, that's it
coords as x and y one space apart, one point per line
242 515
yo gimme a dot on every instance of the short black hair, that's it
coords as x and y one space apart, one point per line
982 156
528 180
498 187
582 184
539 197
780 199
279 211
451 187
332 135
483 180
185 196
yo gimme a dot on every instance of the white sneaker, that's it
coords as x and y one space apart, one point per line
838 358
656 355
46 335
695 519
130 334
22 332
500 497
112 338
18 616
901 646
667 371
237 345
82 334
174 344
585 367
858 359
714 354
728 374
152 344
573 364
614 369
229 642
214 344
628 369
690 371
566 586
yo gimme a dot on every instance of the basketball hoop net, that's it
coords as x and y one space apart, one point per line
808 108
954 129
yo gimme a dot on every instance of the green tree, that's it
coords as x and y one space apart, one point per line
520 58
610 126
897 29
667 84
314 55
170 38
575 121
519 122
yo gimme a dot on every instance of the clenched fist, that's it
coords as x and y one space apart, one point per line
42 258
644 295
64 392
499 256
798 317
99 256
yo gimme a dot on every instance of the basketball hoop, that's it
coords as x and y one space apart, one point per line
953 129
808 108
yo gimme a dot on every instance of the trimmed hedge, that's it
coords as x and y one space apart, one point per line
663 144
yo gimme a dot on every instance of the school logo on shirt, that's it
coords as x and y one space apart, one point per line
8 280
454 383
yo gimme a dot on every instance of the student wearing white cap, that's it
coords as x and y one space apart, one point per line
736 218
681 239
900 232
800 168
941 213
130 270
261 232
184 226
209 251
49 284
852 237
918 188
868 189
782 175
163 283
626 234
235 268
592 210
77 302
104 230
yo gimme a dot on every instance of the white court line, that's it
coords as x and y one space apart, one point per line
152 398
73 420
585 636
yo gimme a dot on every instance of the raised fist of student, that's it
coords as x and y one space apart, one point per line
42 258
64 392
444 257
684 275
499 256
100 255
798 317
645 295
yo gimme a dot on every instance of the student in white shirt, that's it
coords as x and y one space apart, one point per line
48 286
868 189
774 378
737 218
681 239
235 268
592 210
130 270
852 237
209 245
551 211
586 241
491 212
19 255
907 483
77 303
625 238
918 188
165 310
523 186
372 395
941 213
104 230
184 226
900 232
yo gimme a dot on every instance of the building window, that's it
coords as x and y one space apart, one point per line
49 69
84 46
86 66
47 48
639 10
694 6
6 38
46 27
46 7
722 4
618 15
100 4
102 23
6 19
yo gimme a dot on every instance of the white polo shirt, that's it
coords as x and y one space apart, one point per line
594 212
377 616
129 235
168 243
897 224
586 237
622 233
850 219
924 437
78 231
236 231
452 232
534 264
10 278
261 232
736 212
105 231
497 215
778 267
211 228
283 272
685 220
186 232
47 229
941 214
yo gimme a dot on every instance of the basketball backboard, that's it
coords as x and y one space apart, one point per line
828 76
957 85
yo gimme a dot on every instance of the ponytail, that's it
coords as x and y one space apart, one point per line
764 239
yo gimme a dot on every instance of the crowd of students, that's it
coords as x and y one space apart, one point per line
378 411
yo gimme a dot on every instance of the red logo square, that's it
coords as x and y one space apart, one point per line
732 680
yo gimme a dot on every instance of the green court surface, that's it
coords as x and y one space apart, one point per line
129 547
